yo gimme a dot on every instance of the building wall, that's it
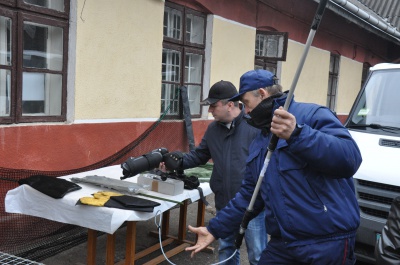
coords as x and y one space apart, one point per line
348 84
118 59
115 73
232 50
116 91
57 147
227 56
312 84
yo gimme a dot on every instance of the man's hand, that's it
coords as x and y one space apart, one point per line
204 238
283 123
162 167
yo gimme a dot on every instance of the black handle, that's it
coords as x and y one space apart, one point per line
273 142
248 215
239 239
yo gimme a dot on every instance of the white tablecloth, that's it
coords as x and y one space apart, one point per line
26 200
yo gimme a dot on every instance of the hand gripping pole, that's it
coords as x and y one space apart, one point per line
274 139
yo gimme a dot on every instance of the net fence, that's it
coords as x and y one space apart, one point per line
36 238
6 258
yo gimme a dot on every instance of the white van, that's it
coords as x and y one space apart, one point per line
374 123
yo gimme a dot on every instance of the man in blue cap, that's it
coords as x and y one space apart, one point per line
307 191
226 141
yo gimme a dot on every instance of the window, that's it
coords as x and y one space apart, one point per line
182 58
57 5
333 81
33 60
271 46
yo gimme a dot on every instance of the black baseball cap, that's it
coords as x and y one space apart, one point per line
220 90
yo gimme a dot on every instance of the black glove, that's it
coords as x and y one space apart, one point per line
173 160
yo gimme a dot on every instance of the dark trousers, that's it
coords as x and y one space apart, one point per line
334 252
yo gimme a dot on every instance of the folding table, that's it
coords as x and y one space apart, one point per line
26 200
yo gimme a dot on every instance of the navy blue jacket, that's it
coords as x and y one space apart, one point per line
307 189
229 149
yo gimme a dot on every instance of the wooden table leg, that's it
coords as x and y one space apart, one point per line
165 224
182 221
91 247
130 243
110 249
201 209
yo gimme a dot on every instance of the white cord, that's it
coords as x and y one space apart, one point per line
161 247
226 259
159 235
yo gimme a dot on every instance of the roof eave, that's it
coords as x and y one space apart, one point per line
359 21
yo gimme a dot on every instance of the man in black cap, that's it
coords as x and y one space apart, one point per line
226 141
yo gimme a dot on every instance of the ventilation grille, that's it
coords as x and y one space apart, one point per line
373 204
389 143
380 186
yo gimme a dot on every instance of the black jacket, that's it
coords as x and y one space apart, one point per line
228 148
387 249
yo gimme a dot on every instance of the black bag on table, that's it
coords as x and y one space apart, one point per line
131 203
51 186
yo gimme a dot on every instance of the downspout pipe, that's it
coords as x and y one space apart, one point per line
386 27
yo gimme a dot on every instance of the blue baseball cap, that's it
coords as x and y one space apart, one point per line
253 80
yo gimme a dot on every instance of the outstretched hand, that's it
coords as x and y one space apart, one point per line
204 239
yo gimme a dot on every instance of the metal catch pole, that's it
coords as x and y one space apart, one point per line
274 139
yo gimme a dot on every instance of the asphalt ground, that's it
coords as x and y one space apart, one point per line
145 239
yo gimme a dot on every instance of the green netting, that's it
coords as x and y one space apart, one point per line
202 172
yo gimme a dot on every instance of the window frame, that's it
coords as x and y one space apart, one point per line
196 13
202 53
179 84
19 17
13 67
9 2
185 46
42 10
266 62
284 48
333 81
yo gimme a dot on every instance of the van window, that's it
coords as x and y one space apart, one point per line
377 106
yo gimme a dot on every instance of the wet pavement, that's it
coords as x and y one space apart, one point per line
145 239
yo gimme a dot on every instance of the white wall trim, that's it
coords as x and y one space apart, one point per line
115 120
207 63
71 68
234 22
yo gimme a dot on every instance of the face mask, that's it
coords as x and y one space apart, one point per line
261 115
